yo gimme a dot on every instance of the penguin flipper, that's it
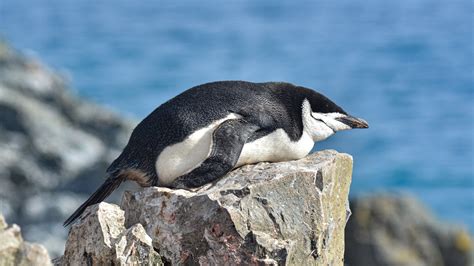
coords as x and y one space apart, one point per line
228 140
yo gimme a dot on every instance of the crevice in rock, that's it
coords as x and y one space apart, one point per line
270 214
166 261
88 259
319 180
314 247
274 221
240 193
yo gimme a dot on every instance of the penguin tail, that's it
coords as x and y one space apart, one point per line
99 195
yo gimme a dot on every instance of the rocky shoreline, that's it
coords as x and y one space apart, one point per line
54 147
388 229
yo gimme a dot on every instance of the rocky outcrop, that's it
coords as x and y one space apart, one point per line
394 230
289 213
15 251
53 147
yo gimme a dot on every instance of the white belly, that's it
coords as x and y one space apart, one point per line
181 158
275 147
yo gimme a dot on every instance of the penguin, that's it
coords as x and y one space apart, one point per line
205 132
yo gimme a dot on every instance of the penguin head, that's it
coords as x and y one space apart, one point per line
322 117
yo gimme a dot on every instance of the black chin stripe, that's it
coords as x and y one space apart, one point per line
317 119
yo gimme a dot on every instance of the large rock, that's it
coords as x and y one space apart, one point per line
15 251
289 213
101 238
53 147
394 230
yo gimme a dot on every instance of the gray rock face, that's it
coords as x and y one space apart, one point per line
289 213
15 251
391 230
53 147
101 238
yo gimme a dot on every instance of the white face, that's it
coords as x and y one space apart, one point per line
321 125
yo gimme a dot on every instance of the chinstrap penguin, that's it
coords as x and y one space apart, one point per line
208 130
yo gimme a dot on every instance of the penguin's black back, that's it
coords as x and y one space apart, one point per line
271 105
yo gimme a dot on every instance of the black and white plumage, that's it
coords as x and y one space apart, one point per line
208 130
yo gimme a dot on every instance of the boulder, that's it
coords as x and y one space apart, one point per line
397 230
288 213
15 251
100 238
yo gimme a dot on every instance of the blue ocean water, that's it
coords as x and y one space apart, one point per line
405 66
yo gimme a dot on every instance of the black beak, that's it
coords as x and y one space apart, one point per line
353 122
